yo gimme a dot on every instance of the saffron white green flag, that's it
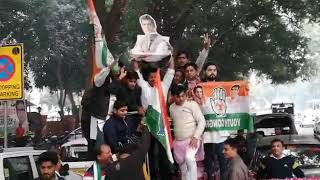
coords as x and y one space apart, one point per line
225 106
102 55
157 119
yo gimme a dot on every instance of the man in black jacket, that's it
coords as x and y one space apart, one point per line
129 165
279 166
95 104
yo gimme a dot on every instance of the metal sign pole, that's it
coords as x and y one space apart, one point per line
5 124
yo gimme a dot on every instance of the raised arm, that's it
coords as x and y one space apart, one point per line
204 52
141 82
100 78
168 77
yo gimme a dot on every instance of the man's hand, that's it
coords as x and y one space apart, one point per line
140 127
193 142
206 41
123 73
141 111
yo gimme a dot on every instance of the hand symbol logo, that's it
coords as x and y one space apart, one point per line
218 101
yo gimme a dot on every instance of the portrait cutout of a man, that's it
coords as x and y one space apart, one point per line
151 46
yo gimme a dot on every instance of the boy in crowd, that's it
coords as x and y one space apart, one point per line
118 130
192 77
127 90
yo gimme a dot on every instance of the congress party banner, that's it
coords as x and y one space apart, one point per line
225 105
151 46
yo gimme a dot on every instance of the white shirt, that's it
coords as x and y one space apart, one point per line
148 92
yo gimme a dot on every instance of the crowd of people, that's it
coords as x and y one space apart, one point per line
129 164
123 148
120 149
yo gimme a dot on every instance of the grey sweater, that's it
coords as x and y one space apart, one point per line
237 170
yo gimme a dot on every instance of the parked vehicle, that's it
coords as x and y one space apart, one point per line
266 124
304 148
19 163
75 153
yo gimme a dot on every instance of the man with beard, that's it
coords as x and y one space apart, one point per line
210 72
47 163
216 144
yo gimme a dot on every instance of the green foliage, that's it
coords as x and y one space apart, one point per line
264 35
55 34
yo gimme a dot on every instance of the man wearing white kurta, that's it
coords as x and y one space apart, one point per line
148 90
189 124
148 95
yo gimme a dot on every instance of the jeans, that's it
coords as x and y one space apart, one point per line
210 150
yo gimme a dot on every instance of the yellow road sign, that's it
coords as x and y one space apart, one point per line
11 72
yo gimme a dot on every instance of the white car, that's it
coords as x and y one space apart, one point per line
305 127
75 154
19 163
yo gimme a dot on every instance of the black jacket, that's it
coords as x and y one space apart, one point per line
117 133
285 167
123 93
95 102
131 167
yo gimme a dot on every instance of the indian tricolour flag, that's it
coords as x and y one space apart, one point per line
102 56
157 120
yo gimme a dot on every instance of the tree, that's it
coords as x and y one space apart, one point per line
261 35
56 37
